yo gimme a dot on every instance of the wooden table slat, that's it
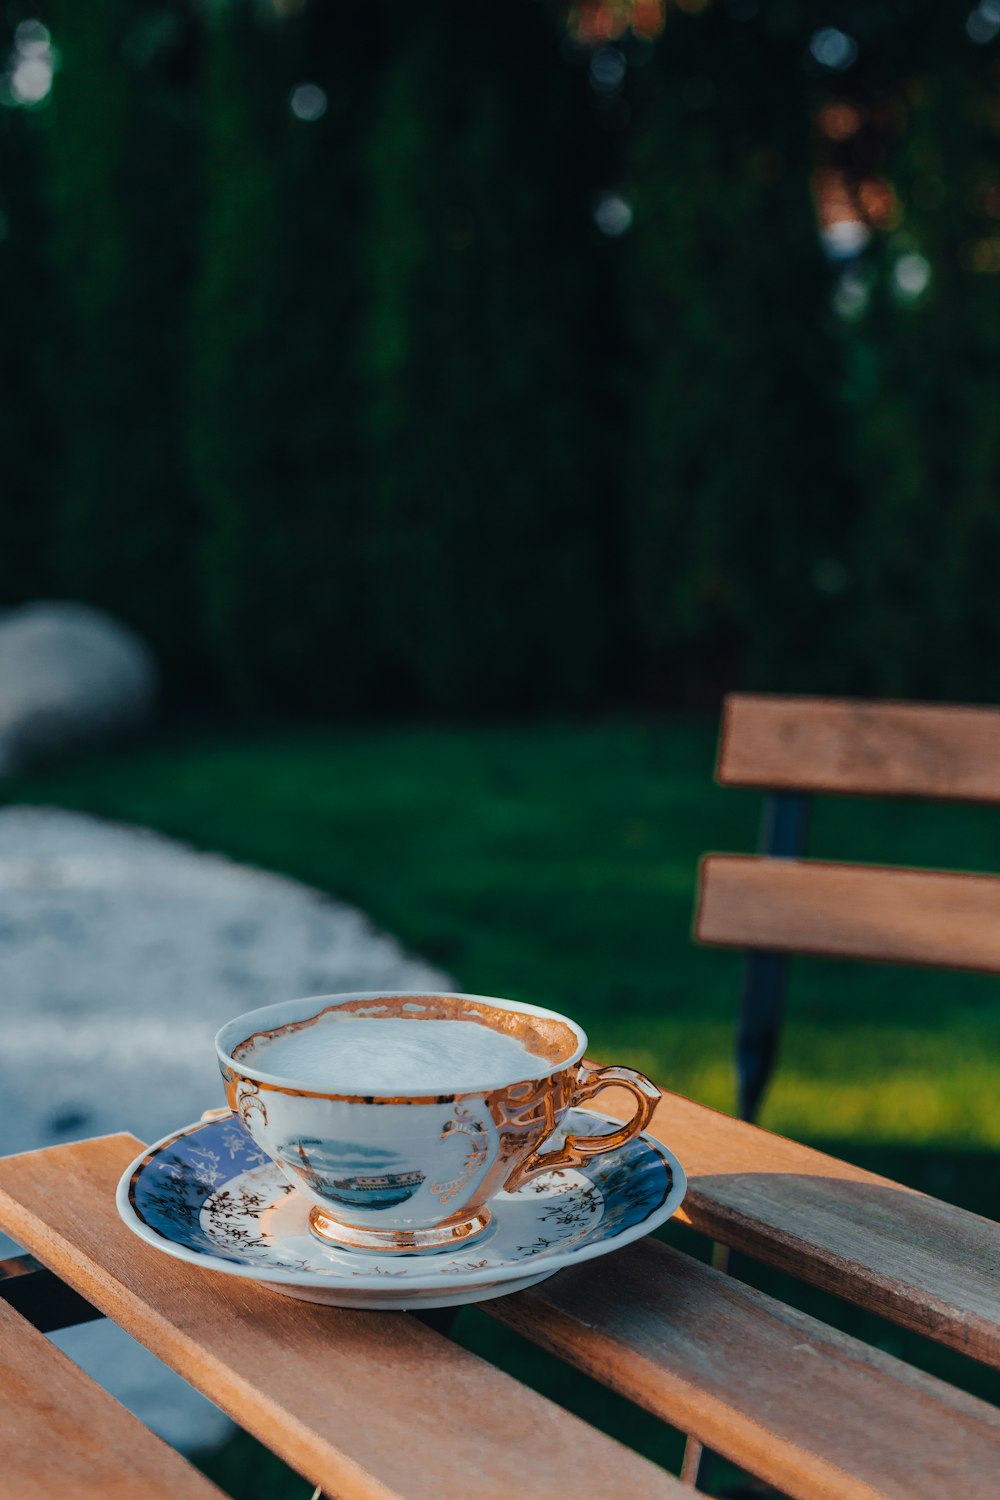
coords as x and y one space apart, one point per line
61 1434
812 1411
371 1406
913 1259
851 746
938 918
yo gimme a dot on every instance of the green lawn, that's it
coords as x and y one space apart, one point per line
557 865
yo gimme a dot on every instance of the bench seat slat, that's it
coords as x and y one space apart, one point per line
62 1434
811 1410
850 746
931 917
912 1259
370 1406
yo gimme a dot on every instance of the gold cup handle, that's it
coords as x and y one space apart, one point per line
577 1148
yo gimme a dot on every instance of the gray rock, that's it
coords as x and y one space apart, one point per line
121 954
69 675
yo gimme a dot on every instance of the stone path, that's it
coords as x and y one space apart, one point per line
121 954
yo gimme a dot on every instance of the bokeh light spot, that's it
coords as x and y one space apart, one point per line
307 101
607 70
911 276
851 295
982 256
983 23
879 203
591 22
613 214
31 65
839 121
845 238
32 38
833 49
31 80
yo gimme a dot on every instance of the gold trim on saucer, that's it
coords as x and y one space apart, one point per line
454 1231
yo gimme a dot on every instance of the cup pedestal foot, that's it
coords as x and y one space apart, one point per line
448 1235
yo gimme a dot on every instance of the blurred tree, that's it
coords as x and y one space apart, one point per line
370 535
737 496
924 388
276 421
478 286
28 307
118 184
486 357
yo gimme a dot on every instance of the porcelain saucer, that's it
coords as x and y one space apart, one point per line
209 1195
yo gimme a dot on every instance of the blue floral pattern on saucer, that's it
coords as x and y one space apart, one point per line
209 1195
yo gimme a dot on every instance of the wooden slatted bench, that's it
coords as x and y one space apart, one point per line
367 1405
378 1405
777 903
913 1259
776 1391
62 1435
871 749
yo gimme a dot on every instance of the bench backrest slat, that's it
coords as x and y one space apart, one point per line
850 746
931 917
778 904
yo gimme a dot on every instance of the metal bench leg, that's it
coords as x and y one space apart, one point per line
438 1318
784 825
41 1297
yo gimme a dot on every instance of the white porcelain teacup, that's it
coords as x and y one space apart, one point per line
390 1167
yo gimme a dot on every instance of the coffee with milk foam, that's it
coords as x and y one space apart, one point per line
351 1054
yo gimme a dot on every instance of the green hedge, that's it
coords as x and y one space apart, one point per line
116 178
365 411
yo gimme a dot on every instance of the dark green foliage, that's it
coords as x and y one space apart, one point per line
118 187
387 421
363 409
276 446
26 307
484 567
736 483
924 394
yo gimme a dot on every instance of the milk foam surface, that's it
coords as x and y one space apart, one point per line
367 1055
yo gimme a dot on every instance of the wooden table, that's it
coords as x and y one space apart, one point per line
380 1405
